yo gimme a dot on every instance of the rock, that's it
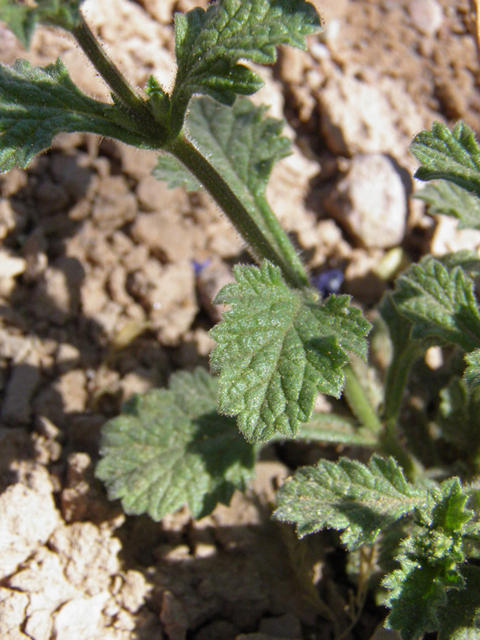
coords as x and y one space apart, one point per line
83 497
88 555
133 592
114 205
11 265
165 233
427 16
448 238
355 117
12 614
57 295
288 186
21 387
28 519
8 218
361 279
169 294
154 195
370 201
80 618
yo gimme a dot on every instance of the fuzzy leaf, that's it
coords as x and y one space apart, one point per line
472 372
170 170
277 347
350 496
330 427
240 142
170 448
460 617
459 417
209 45
440 303
449 155
448 199
429 562
22 17
36 104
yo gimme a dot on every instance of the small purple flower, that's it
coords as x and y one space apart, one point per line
198 267
328 281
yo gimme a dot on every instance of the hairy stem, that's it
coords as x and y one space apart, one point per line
118 83
396 380
282 239
238 214
359 403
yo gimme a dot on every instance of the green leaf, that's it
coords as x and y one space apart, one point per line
429 562
36 104
440 303
449 155
277 347
330 427
472 372
459 417
350 496
459 619
468 260
22 17
211 45
240 142
448 199
170 448
171 171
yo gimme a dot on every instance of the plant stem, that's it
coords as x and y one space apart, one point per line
236 211
396 380
282 239
359 403
117 82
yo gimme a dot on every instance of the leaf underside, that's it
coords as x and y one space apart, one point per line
36 104
444 197
350 496
239 141
211 46
169 448
277 348
440 303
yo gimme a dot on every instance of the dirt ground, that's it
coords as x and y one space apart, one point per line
99 300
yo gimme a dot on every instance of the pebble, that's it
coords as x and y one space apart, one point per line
427 16
370 201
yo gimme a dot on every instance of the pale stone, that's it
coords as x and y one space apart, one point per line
370 201
28 518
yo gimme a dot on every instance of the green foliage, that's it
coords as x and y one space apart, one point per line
239 141
430 562
472 372
22 17
360 500
170 448
448 199
279 344
210 45
459 417
440 303
459 618
277 348
36 104
449 155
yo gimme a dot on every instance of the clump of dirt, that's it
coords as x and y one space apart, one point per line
101 298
